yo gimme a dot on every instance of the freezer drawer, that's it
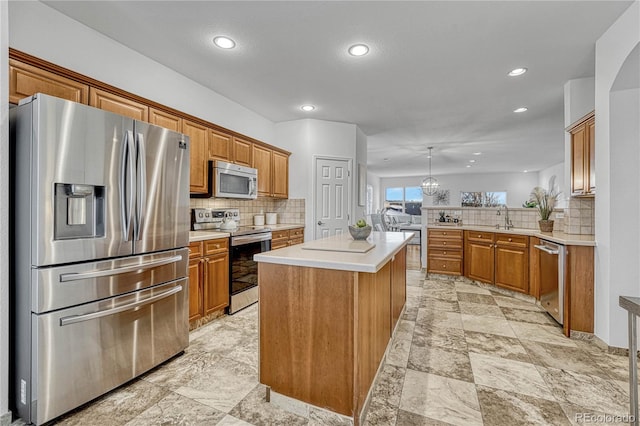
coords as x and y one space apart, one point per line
64 286
82 352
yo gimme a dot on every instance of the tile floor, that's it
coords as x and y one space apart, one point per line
462 355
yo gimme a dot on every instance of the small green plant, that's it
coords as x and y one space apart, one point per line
529 204
545 199
361 223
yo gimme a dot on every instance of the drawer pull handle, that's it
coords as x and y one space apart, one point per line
444 243
444 233
444 252
510 240
479 236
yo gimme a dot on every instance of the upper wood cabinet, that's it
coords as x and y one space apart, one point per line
26 80
262 162
241 151
280 175
164 119
583 179
199 168
219 145
120 105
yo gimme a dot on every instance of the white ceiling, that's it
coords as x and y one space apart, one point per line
436 74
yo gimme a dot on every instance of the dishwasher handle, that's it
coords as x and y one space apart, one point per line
547 249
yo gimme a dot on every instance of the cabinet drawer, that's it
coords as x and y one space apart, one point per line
444 244
276 244
445 266
479 235
277 235
216 246
295 233
448 253
297 240
512 240
445 233
195 250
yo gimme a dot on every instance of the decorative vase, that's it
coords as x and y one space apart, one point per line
546 225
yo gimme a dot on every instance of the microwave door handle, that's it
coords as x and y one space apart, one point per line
126 184
141 181
252 186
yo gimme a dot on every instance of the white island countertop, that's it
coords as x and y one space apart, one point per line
329 253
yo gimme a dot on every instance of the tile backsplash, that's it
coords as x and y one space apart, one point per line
578 217
289 211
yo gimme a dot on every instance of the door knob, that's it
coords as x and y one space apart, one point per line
320 223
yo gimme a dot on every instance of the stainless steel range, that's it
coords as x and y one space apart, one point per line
246 241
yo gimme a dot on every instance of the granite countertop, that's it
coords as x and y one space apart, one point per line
387 244
555 236
195 236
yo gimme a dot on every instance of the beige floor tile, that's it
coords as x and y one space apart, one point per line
509 375
489 325
481 310
440 398
541 333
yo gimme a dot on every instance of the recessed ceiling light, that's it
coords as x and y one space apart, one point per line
468 165
472 161
359 50
516 72
526 171
521 109
477 153
224 42
307 108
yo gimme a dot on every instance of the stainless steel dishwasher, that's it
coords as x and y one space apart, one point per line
551 269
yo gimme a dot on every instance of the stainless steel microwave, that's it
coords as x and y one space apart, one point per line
235 181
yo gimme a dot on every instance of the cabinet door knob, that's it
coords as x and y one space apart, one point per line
510 240
479 236
444 252
444 233
444 243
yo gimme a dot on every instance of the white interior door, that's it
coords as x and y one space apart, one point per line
333 180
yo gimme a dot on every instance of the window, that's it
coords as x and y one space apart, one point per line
483 199
404 200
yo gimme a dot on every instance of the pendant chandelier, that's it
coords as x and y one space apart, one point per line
429 184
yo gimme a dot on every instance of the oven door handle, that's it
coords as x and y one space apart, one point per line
248 239
128 307
75 276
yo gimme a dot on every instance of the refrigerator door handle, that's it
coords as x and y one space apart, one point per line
126 184
128 307
141 181
75 276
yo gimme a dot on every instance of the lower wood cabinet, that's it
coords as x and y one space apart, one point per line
398 285
208 277
497 258
286 237
444 251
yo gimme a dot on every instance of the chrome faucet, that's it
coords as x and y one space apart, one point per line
507 222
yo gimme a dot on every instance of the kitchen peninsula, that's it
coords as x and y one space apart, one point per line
327 310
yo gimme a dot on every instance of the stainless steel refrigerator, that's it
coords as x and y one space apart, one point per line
100 208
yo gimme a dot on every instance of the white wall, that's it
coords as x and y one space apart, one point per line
559 171
579 100
361 158
617 138
5 416
308 139
517 185
43 32
374 181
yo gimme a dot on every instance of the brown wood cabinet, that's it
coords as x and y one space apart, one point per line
280 179
512 262
398 285
583 179
199 156
444 251
208 277
241 150
262 161
164 119
118 104
286 237
26 80
29 75
578 294
497 258
219 145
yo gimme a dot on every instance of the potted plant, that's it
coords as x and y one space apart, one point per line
545 200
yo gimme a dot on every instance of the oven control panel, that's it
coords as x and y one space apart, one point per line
202 218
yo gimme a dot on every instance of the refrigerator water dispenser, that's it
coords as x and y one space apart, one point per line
79 211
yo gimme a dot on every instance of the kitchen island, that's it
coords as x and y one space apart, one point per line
327 310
